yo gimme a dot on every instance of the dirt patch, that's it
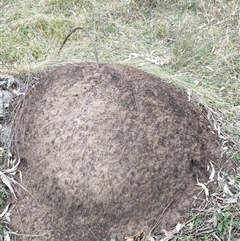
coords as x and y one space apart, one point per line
104 151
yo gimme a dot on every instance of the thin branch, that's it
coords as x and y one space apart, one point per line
93 45
7 66
29 235
93 234
164 210
4 64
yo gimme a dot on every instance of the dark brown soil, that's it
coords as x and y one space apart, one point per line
104 151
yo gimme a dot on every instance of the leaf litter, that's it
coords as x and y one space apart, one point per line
12 92
216 210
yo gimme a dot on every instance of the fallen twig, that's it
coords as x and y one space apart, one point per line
93 45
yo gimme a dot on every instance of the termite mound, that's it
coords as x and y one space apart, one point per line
104 150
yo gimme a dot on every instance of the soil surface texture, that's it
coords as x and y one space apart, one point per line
104 151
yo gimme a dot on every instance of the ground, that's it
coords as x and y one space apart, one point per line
104 150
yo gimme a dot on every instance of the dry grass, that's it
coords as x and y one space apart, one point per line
194 43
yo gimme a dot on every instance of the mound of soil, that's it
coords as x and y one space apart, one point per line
104 151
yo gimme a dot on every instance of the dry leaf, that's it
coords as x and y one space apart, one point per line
211 178
128 238
13 169
179 227
150 239
7 217
189 92
232 182
7 181
169 235
204 188
233 199
219 133
227 190
191 225
6 237
222 206
5 210
20 175
214 220
163 235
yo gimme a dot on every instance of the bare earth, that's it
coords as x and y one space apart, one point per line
104 151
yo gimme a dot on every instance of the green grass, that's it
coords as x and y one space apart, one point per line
3 197
3 220
219 217
193 44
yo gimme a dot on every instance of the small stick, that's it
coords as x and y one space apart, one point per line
93 234
29 235
164 210
93 45
4 64
7 66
